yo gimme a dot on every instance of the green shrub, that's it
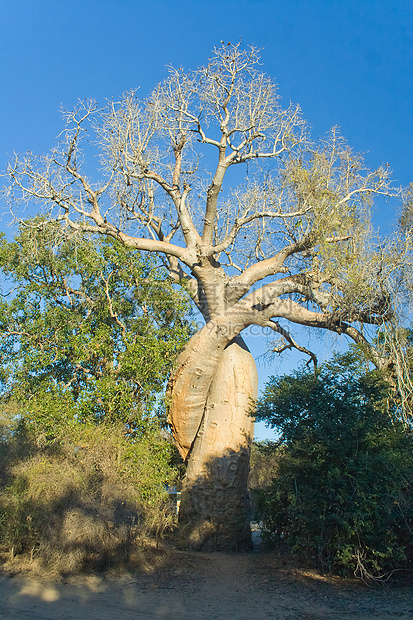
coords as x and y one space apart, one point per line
342 494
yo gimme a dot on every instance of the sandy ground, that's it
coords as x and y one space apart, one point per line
204 586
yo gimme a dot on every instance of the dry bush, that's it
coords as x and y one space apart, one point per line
90 499
265 456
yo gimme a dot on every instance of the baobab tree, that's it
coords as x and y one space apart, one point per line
261 225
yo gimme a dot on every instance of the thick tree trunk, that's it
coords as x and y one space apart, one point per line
215 508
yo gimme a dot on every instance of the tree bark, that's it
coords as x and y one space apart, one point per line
215 507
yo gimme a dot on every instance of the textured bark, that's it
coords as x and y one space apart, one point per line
195 370
215 508
190 383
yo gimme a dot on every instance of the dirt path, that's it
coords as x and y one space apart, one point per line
204 587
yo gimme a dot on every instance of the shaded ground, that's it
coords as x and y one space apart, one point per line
204 586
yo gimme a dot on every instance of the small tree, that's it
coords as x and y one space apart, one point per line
288 241
342 494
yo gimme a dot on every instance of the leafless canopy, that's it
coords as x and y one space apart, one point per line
294 219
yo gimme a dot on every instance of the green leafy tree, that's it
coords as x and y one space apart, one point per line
342 494
89 329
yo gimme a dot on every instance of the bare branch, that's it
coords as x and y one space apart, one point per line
291 343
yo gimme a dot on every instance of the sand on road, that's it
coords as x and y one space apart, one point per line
192 586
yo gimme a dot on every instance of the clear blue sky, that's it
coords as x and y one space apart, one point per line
346 62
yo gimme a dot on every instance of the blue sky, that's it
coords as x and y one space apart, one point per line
347 63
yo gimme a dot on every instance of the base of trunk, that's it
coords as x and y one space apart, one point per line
215 508
215 515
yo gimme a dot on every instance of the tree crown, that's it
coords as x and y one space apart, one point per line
298 221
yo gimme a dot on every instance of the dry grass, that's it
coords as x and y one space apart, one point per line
90 500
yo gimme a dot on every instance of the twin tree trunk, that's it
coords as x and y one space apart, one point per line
215 507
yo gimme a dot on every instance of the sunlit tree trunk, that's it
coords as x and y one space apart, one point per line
215 508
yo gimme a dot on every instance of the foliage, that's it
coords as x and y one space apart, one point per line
342 494
89 328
